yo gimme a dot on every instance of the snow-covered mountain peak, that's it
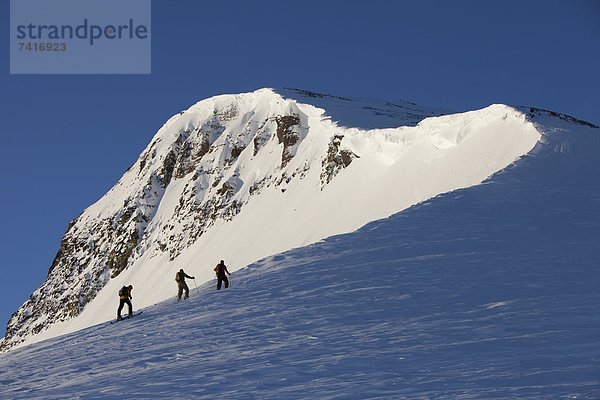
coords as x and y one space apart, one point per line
241 177
485 292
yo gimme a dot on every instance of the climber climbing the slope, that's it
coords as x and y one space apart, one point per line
125 298
221 270
181 285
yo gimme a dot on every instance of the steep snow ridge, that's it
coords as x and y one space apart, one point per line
440 154
242 177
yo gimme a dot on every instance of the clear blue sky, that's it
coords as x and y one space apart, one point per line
67 139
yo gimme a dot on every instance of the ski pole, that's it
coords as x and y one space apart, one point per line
197 293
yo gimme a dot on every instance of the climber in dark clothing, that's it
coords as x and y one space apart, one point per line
221 270
125 298
181 285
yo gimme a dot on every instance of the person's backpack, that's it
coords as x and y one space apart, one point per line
123 291
177 277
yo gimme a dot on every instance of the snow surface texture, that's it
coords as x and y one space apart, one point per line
486 292
243 177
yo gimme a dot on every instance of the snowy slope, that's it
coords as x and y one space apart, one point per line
242 177
485 292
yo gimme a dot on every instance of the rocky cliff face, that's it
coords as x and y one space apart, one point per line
229 164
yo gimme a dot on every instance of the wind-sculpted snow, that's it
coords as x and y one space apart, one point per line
242 177
363 113
489 292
